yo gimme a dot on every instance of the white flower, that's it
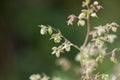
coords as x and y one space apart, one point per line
81 23
57 37
100 30
110 38
71 19
95 3
93 15
67 46
43 29
35 77
57 51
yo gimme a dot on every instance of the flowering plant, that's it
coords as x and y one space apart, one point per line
91 52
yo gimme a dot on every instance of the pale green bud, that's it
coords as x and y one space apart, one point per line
81 23
69 22
82 16
105 76
87 2
114 29
85 11
113 59
100 59
50 31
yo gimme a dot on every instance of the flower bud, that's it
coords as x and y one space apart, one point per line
82 16
95 3
81 23
114 29
43 30
35 77
87 2
50 31
93 15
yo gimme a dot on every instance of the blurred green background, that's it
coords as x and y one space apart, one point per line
23 51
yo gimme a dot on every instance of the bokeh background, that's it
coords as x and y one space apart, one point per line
23 51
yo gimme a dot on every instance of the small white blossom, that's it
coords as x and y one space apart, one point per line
67 46
100 30
96 3
35 77
110 38
93 15
81 23
56 37
57 51
43 29
71 19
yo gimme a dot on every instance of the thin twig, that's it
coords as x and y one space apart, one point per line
75 46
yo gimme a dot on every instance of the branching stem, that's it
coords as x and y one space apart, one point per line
75 46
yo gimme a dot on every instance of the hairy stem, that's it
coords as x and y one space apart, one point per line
87 34
88 30
75 46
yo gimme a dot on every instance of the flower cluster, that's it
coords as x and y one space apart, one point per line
95 7
95 51
91 53
39 77
57 37
101 33
45 29
96 77
60 49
